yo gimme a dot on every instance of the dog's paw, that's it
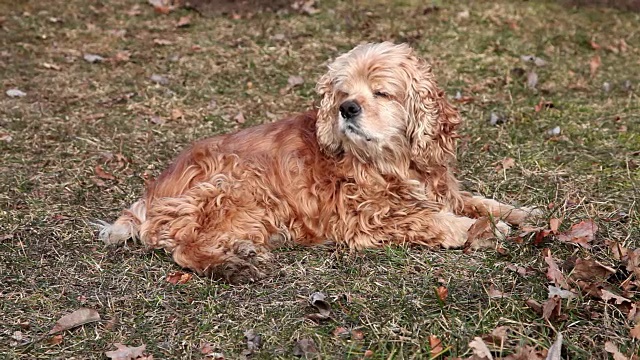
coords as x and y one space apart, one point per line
112 234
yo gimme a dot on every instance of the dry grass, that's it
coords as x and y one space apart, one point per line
72 119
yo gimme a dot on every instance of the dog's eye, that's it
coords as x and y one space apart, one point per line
381 94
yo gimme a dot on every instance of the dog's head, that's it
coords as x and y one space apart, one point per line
380 102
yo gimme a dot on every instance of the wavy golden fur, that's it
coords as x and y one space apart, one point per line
371 167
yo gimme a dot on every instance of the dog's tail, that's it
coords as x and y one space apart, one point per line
126 227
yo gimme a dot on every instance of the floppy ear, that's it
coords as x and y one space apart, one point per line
326 122
432 120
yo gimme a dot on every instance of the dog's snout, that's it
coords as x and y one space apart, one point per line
350 109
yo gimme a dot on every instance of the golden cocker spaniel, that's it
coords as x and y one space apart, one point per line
371 167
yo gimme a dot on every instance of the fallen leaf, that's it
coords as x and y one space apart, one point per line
158 120
494 293
553 272
341 332
162 6
51 66
357 334
497 337
15 93
305 7
581 233
555 351
5 137
368 353
496 119
162 42
505 164
79 317
591 270
594 64
93 58
527 353
442 293
607 295
304 347
611 348
124 352
206 348
521 270
463 15
551 308
535 306
480 349
159 79
554 224
318 301
239 118
595 45
179 277
55 340
435 345
134 11
184 21
554 131
254 341
532 80
103 174
293 81
121 56
635 332
533 59
564 294
177 114
480 235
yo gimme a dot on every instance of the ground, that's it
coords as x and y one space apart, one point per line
79 146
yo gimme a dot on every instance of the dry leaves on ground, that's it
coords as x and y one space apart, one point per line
125 352
179 277
581 233
79 317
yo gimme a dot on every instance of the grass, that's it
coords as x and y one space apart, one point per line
84 114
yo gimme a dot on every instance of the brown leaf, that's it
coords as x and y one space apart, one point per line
305 347
179 277
505 164
177 114
480 349
103 174
607 295
590 270
554 224
293 81
435 345
497 337
124 352
318 300
79 317
611 348
239 118
635 332
121 56
184 21
521 270
442 293
495 293
368 353
357 334
481 235
551 308
527 353
535 306
581 233
55 340
553 272
595 45
594 64
340 332
555 350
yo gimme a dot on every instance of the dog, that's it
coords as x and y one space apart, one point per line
371 166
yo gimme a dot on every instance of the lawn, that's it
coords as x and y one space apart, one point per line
549 97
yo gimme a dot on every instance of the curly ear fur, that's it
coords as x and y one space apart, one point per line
325 124
432 120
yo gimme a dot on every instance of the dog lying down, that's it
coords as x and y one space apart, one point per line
372 166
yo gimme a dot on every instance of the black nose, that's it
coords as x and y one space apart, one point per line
350 109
